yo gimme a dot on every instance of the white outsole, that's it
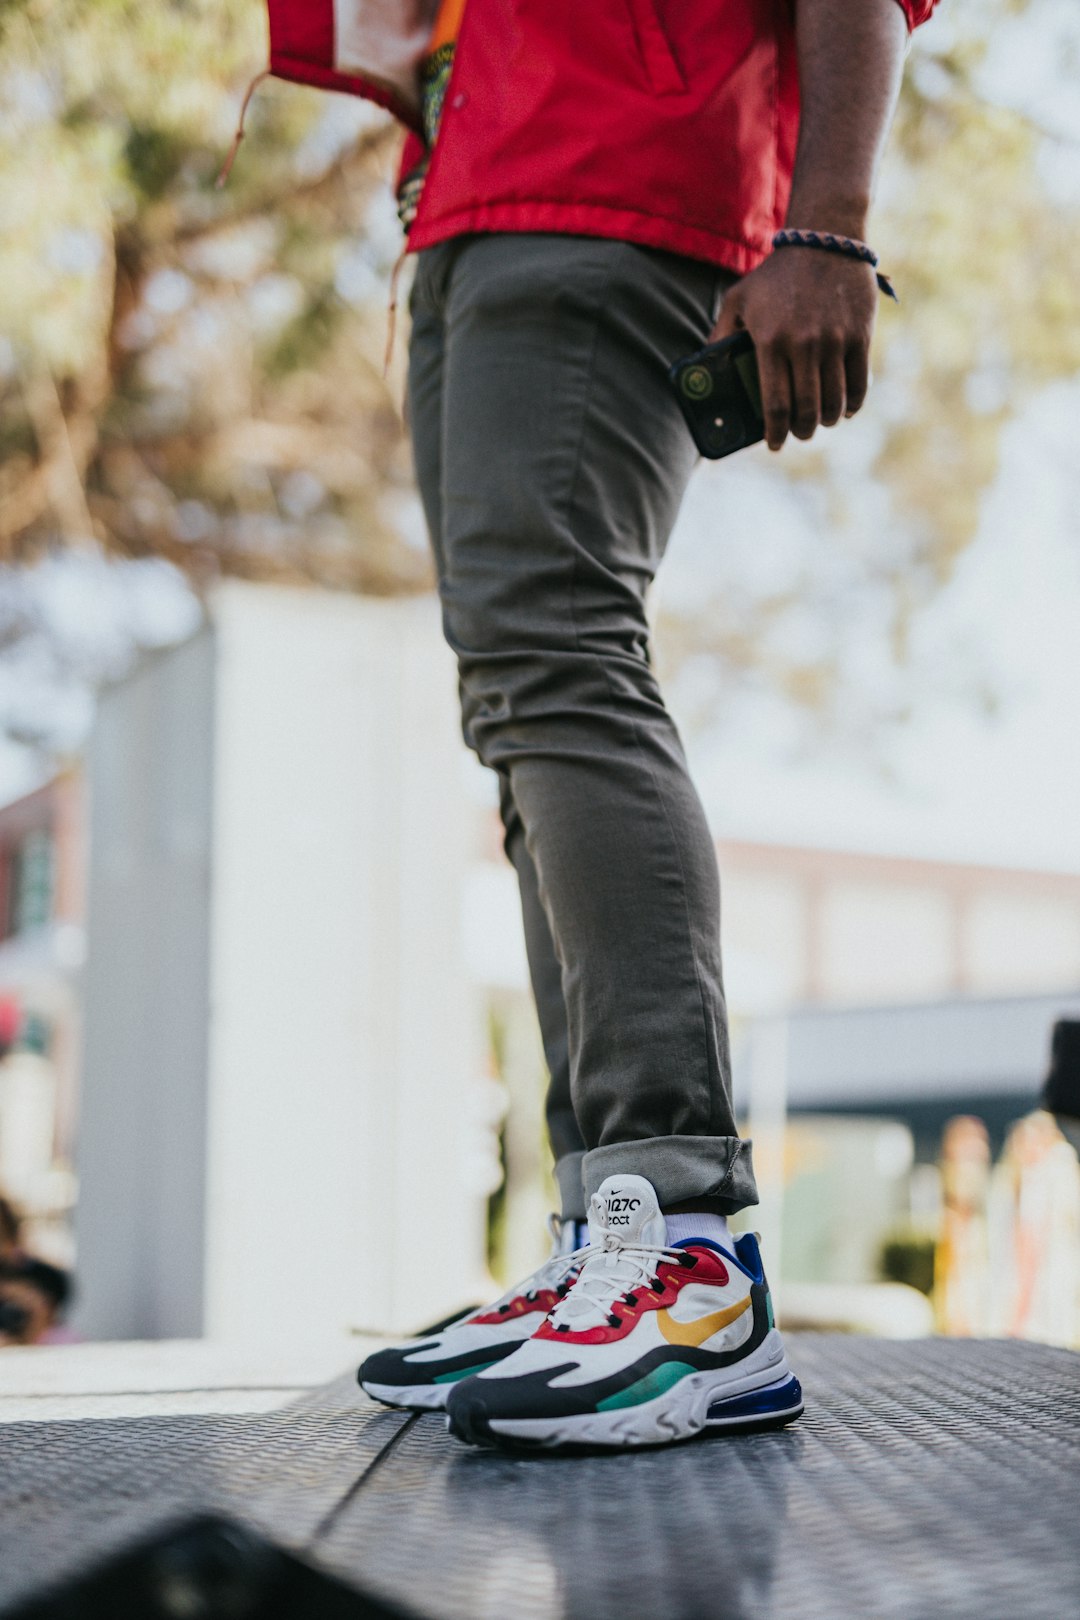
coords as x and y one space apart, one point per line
678 1414
418 1397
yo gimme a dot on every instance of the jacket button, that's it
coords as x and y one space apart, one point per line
461 99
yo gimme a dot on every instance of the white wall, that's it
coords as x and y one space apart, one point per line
319 1181
140 1146
345 1035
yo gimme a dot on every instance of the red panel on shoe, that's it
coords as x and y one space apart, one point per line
521 1305
709 1269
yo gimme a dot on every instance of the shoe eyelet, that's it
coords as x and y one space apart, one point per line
614 1321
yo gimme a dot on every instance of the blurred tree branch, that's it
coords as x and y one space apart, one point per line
196 375
175 355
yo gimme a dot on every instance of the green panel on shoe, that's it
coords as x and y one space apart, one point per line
646 1389
463 1372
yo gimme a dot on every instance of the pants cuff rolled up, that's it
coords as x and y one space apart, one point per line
680 1168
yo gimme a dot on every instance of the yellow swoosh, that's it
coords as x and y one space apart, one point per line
695 1333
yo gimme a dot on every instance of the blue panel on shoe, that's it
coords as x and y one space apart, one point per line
759 1402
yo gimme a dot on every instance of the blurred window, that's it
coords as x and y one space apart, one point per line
30 884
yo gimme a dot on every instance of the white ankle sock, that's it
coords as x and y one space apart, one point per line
713 1227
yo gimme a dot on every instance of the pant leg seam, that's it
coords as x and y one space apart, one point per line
632 724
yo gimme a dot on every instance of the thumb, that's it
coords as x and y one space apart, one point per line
730 320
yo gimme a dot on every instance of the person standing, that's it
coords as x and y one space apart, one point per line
593 191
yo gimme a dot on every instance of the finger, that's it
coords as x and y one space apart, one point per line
730 320
857 374
833 383
806 377
775 376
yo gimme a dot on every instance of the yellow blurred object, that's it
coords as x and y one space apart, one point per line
961 1262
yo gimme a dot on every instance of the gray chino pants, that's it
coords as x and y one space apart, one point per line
552 459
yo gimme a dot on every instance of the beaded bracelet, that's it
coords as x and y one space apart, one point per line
828 242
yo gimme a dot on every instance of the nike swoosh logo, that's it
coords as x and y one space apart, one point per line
695 1333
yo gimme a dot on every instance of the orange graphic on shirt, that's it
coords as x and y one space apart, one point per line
447 23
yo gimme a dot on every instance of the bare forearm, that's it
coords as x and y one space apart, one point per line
811 314
851 55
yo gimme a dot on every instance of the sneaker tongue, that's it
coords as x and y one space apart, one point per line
625 1208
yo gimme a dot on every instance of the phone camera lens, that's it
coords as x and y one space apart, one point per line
697 382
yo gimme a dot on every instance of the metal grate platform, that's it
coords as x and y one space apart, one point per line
927 1480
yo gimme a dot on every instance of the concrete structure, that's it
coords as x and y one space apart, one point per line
281 1045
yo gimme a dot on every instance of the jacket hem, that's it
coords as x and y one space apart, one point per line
591 219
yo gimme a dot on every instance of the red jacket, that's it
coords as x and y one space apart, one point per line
667 122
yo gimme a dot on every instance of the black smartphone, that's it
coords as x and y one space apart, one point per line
720 395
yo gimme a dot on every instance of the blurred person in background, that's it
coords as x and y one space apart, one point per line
33 1293
1061 1089
594 191
9 1230
1035 1209
961 1262
33 1298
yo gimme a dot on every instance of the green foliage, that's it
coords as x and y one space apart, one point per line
908 1257
196 373
153 159
307 339
206 361
982 247
991 312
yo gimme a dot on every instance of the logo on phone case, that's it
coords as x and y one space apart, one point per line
697 382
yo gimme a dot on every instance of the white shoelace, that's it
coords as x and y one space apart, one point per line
552 1274
608 1274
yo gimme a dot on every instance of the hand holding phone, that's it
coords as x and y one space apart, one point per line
720 395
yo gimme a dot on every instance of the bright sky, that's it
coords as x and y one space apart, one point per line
1004 789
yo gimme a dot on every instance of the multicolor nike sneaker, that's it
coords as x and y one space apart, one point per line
653 1344
422 1372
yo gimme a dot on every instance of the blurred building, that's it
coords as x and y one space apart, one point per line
909 989
42 939
42 853
872 998
282 1053
920 1063
300 919
806 927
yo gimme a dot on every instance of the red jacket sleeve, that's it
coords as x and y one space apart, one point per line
916 11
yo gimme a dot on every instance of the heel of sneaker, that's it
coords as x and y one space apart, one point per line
770 1407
